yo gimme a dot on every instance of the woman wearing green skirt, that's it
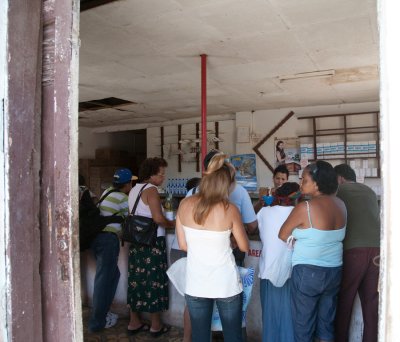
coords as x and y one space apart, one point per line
147 278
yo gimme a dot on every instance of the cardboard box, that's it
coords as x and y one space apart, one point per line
84 168
112 155
372 148
326 150
102 171
104 153
350 148
303 151
310 151
340 147
320 150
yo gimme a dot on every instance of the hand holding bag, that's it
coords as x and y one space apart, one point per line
139 229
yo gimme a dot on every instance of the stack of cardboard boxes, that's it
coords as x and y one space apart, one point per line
99 172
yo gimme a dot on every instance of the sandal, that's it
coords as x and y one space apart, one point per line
143 327
163 330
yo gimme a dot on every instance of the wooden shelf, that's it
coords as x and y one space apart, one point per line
345 130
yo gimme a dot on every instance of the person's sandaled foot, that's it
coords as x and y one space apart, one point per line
164 329
143 327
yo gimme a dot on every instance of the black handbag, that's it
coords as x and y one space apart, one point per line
139 229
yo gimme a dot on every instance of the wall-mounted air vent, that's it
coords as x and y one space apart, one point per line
88 4
109 102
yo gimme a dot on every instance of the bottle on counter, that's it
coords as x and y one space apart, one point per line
169 208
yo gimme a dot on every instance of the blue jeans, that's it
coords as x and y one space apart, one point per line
314 292
105 248
230 311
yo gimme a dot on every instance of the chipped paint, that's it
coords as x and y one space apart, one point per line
5 285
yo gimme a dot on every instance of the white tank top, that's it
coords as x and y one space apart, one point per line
211 271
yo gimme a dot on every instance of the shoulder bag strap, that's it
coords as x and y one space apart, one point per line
105 195
309 215
138 198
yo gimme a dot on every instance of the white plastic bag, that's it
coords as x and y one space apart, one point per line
177 274
281 268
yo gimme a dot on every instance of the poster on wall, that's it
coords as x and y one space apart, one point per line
245 166
287 152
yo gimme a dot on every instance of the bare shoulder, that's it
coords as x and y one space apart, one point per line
300 208
151 191
233 210
187 202
339 203
299 212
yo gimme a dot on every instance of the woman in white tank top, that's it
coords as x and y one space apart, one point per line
205 223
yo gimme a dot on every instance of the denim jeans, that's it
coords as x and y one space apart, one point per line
105 248
230 311
314 292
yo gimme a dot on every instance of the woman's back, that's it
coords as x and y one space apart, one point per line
204 223
327 213
270 220
320 242
219 218
211 269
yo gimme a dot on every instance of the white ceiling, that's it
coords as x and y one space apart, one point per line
147 52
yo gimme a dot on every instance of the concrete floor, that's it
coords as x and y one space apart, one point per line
118 333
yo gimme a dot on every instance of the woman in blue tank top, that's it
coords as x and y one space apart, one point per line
318 226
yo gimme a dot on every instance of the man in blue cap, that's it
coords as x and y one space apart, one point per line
105 248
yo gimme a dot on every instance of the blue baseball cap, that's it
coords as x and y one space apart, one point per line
123 176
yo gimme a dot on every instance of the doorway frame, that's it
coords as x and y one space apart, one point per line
26 307
39 268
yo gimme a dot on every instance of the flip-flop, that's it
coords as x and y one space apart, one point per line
163 330
143 327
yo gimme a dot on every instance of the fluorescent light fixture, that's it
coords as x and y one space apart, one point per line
305 75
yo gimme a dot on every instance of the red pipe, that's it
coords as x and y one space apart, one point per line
203 109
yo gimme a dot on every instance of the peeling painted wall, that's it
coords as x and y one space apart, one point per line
3 168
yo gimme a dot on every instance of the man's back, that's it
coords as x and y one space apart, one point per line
363 215
240 197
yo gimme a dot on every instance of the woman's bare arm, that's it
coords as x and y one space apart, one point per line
238 230
154 202
180 234
295 219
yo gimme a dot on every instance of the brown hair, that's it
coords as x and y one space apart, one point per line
214 187
150 167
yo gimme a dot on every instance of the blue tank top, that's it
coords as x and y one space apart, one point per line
318 247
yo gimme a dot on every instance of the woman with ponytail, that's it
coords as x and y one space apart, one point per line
204 225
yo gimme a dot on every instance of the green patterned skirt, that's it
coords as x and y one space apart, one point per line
147 278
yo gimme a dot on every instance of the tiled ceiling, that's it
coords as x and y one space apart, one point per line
148 52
